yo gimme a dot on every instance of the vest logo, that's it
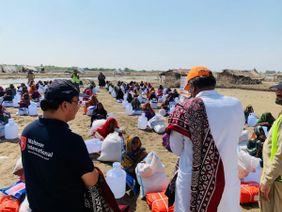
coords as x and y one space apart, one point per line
23 142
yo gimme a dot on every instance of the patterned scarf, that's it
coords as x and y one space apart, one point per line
207 185
100 198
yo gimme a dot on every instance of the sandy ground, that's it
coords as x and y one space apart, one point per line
10 151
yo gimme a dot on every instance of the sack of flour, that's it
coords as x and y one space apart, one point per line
151 175
95 125
112 147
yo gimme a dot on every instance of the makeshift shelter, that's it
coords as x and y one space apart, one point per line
171 78
8 69
29 68
119 72
240 77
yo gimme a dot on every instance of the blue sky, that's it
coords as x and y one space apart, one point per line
142 34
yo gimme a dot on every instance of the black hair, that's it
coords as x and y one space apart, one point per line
203 81
53 104
53 99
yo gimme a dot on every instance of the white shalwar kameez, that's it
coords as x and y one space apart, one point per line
226 120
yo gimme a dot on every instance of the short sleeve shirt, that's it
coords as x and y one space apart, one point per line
54 159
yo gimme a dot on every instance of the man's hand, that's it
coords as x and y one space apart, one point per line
264 190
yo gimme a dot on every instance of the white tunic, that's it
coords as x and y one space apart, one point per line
226 121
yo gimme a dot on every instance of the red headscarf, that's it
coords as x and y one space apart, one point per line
104 130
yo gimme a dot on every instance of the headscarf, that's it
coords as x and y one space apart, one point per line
129 97
35 95
131 158
266 117
4 115
25 100
135 104
160 92
119 93
93 100
249 109
104 130
100 111
259 131
32 89
150 92
149 112
2 92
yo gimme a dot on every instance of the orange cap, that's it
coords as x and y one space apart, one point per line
196 72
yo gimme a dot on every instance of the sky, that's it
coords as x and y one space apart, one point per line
142 34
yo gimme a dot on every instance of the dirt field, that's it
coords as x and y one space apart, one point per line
9 151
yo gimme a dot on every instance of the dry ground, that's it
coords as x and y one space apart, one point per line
9 151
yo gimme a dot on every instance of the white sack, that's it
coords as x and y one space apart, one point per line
93 145
96 124
112 147
151 175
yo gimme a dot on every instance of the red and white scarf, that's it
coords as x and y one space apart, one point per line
207 185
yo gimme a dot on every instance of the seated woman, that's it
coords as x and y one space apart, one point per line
13 89
4 115
2 92
249 109
98 113
25 101
119 94
168 99
152 95
266 120
254 146
136 93
32 88
110 126
92 102
134 154
33 93
175 94
87 93
149 112
35 96
160 91
129 97
135 104
20 88
8 96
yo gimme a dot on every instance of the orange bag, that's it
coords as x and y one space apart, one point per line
9 204
249 192
161 205
158 202
151 197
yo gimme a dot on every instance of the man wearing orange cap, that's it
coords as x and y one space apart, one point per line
204 131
